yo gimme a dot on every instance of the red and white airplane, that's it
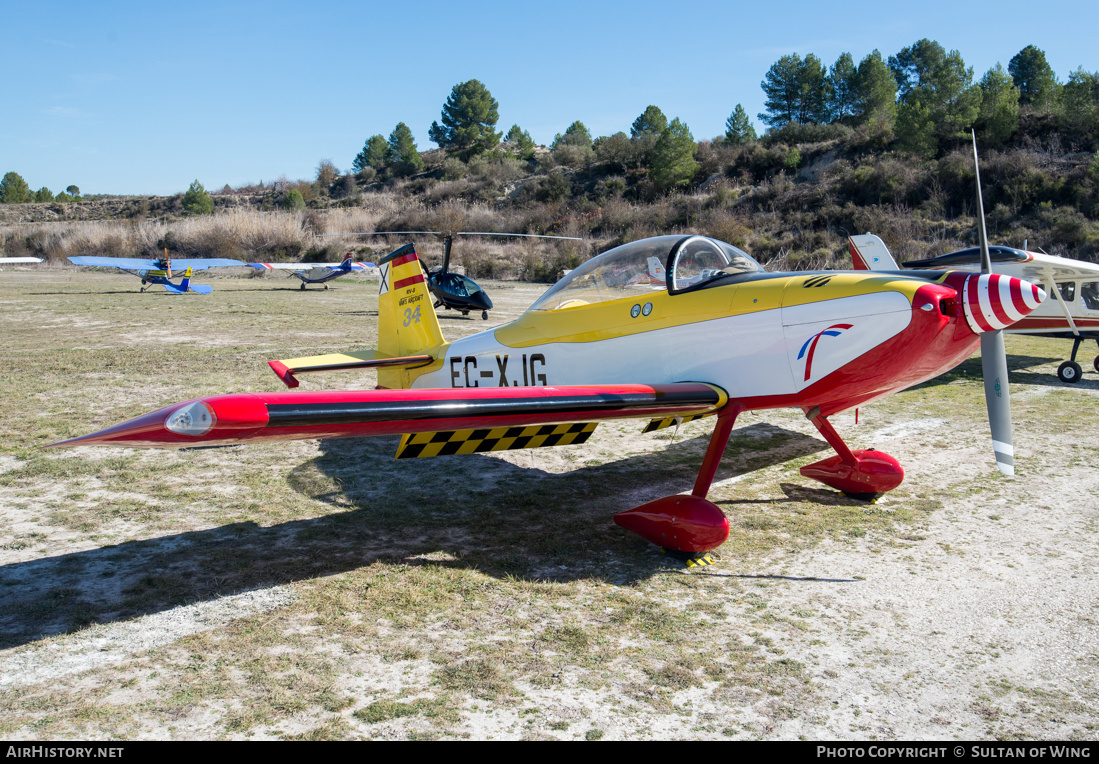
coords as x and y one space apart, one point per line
1074 314
714 335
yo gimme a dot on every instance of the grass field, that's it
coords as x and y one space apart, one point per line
322 590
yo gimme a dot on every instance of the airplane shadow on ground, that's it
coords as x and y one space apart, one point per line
476 512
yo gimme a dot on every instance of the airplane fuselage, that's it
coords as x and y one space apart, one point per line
829 340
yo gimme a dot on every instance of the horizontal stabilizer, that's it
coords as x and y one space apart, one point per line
426 444
364 359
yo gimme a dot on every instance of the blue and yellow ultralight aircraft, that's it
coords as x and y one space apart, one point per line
159 271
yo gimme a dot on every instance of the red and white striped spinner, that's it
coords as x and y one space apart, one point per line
993 302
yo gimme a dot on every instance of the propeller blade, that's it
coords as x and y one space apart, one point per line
986 259
994 355
998 399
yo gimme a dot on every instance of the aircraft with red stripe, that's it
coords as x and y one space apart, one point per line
718 337
1073 314
315 273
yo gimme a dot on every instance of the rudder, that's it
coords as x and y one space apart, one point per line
407 323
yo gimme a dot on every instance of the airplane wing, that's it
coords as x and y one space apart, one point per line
143 264
204 263
295 266
457 415
130 263
12 260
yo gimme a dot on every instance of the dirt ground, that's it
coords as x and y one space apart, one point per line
322 590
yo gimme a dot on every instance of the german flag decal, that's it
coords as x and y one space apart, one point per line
424 444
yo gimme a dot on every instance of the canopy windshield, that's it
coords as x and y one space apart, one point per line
640 267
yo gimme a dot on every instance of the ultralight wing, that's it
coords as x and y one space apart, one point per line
143 264
126 263
14 260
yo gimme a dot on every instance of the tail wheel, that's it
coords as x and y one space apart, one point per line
303 286
1070 372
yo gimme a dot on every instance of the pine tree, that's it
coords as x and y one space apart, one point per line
374 154
796 90
468 119
738 128
577 134
14 190
674 156
652 121
843 88
197 201
521 138
1033 77
999 115
402 152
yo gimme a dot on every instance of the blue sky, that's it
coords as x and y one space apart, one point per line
144 98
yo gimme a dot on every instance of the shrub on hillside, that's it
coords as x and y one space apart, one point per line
293 200
794 133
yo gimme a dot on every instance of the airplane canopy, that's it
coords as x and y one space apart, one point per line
642 266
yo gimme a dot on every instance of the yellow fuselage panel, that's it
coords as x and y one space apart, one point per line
659 310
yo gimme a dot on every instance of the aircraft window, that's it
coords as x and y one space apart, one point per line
1089 293
638 268
1068 290
469 285
698 260
631 270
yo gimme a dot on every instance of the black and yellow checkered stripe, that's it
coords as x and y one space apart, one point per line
660 424
424 444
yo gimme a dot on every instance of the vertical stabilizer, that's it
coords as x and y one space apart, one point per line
186 280
407 324
869 253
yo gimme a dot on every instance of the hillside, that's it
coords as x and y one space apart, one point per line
791 199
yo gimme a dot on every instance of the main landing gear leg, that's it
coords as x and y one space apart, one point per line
688 527
860 474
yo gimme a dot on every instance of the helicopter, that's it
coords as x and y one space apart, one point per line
456 291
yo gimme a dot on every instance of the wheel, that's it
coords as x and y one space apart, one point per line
484 317
465 312
303 286
142 288
1095 363
1070 372
326 287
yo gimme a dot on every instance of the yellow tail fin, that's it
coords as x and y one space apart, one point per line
407 324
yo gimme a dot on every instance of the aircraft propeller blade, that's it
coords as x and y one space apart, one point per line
994 355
